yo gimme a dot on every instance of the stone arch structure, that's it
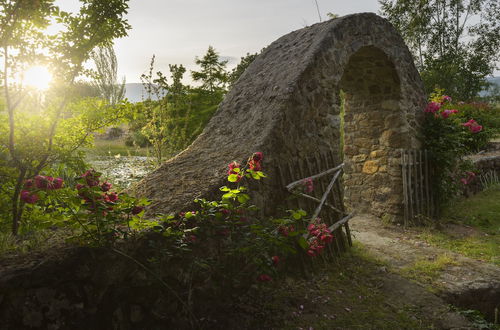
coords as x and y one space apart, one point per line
287 105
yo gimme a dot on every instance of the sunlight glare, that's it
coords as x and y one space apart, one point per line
38 77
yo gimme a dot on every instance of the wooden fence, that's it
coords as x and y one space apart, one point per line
417 188
325 201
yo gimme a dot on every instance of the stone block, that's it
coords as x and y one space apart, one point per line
370 167
359 158
378 153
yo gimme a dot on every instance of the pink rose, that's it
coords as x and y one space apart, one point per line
308 184
29 197
432 107
445 98
446 113
473 126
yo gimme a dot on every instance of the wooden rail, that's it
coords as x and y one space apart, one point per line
326 201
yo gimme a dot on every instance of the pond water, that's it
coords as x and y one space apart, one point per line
122 171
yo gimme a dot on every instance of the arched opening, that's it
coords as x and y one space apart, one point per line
372 133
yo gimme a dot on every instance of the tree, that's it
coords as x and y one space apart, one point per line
456 43
241 67
34 138
106 77
212 74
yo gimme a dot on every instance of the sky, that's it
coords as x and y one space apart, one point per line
176 31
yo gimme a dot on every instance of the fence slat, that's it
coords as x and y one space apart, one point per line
417 191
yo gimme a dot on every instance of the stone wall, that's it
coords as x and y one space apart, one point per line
287 105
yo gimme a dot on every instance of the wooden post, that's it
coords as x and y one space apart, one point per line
410 186
421 174
405 187
416 183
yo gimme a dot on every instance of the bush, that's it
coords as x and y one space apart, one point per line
223 245
449 133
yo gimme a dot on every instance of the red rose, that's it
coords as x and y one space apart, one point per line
233 166
57 183
264 278
275 260
41 182
28 197
28 184
137 209
258 156
113 197
254 165
106 186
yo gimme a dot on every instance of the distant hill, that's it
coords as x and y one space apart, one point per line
135 92
493 80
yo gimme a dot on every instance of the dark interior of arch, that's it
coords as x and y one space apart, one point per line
372 109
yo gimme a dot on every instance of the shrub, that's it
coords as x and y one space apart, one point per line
449 133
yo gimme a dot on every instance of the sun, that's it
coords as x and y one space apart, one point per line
38 77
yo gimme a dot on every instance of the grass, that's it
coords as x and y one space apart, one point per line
481 214
36 241
344 295
115 147
427 271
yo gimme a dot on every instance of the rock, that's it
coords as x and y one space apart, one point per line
370 167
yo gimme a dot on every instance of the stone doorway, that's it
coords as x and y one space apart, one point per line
373 133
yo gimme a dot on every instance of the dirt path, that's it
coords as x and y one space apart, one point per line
468 283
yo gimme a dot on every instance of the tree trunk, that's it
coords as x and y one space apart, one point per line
17 205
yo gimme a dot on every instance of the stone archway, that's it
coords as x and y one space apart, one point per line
286 105
374 132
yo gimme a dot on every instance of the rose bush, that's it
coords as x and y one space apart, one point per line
449 132
216 251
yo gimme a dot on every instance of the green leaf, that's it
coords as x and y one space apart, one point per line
303 243
243 198
228 196
232 178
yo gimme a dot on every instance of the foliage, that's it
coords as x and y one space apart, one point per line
223 246
455 43
241 67
106 79
212 74
449 134
164 115
39 132
172 113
